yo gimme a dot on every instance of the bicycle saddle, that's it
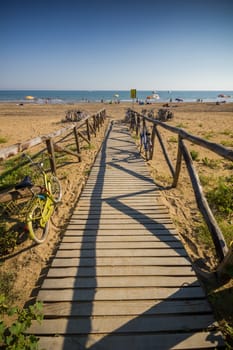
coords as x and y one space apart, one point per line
26 182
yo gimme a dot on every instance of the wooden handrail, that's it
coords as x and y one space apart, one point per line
215 147
20 147
216 234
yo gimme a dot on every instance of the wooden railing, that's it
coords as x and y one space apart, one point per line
84 129
135 119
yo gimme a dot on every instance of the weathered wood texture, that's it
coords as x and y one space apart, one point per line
121 278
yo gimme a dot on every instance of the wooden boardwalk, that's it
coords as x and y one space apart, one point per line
121 278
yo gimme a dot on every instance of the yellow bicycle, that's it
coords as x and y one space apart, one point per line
38 210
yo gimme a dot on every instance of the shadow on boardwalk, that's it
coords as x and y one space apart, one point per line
168 323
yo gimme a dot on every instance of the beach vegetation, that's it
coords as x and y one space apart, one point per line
8 239
220 197
208 135
89 146
181 125
211 163
6 287
13 172
227 143
206 180
227 133
173 139
13 337
87 172
3 139
228 165
194 155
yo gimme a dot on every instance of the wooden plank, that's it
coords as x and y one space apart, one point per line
118 203
110 252
108 209
134 293
108 261
160 231
178 341
124 227
124 324
121 271
170 240
118 221
123 195
83 244
120 214
119 281
108 308
118 207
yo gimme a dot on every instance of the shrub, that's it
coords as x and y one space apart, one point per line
3 139
13 337
194 154
220 197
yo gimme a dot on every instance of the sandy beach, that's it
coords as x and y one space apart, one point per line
19 123
207 120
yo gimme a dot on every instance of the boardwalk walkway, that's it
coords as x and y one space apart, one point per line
121 278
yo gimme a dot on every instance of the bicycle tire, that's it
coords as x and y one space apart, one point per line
37 232
149 151
56 189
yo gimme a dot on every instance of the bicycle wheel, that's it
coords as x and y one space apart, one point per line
56 189
37 232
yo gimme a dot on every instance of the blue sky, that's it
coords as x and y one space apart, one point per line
90 44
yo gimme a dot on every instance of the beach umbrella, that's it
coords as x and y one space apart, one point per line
116 95
29 97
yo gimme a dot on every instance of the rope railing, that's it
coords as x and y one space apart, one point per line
225 254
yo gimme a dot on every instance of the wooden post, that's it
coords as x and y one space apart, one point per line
169 163
138 121
153 140
88 130
50 148
132 120
98 122
94 123
178 164
102 117
84 138
92 129
77 143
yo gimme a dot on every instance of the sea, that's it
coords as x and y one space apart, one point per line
74 96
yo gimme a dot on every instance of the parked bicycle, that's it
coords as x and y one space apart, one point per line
38 209
145 141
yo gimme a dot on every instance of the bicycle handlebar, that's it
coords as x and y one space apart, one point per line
39 165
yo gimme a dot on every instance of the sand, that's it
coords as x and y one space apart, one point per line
21 123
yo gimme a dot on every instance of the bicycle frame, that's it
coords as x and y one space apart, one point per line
47 206
37 219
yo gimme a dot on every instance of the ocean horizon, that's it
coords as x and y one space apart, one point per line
75 96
